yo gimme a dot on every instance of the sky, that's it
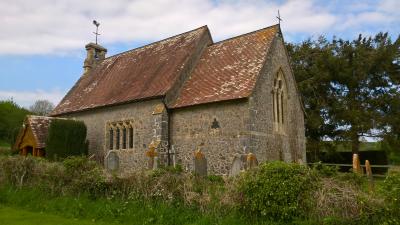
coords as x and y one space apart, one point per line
42 41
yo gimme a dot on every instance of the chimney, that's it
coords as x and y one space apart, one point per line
95 53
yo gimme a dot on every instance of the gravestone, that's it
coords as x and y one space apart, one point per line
152 154
356 164
251 161
236 165
112 161
200 163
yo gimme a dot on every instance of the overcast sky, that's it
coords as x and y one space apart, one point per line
42 41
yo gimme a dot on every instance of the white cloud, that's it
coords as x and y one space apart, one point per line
27 98
48 26
63 26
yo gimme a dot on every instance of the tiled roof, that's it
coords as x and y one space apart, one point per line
39 126
228 69
141 73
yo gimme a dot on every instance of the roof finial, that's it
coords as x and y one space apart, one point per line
279 18
97 24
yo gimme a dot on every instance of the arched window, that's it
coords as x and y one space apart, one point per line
124 138
111 139
131 137
117 138
119 135
279 96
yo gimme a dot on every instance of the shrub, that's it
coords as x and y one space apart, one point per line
84 176
391 188
66 138
277 190
16 170
325 170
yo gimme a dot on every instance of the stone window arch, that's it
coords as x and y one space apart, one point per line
279 99
119 135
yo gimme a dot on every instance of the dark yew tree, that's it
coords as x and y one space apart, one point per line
363 79
350 88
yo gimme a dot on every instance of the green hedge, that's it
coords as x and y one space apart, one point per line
66 138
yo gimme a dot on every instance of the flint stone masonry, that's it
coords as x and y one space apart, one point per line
265 143
141 113
192 127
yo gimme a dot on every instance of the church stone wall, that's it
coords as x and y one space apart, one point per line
145 127
217 129
265 142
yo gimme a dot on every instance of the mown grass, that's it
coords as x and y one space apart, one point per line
16 216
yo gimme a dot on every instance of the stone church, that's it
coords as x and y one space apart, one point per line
188 94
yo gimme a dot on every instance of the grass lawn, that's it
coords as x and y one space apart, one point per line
14 216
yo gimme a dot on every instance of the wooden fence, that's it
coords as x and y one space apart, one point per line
351 166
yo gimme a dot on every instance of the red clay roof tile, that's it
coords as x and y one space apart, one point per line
141 73
227 69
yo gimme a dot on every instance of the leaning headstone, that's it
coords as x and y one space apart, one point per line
112 161
368 171
200 163
236 165
251 161
356 164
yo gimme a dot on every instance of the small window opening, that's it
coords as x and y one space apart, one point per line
130 137
124 138
215 124
111 140
118 139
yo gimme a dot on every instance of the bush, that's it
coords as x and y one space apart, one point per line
16 170
84 176
11 118
326 171
277 190
391 188
66 138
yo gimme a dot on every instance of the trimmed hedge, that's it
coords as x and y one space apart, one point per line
66 138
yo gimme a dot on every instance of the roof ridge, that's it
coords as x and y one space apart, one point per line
143 46
245 34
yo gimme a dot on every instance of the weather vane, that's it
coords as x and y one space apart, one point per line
97 24
279 18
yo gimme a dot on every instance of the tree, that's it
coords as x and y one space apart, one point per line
364 79
11 118
311 64
41 107
350 88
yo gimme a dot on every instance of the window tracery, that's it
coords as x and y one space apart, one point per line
279 96
120 135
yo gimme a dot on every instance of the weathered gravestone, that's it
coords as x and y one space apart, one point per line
200 163
152 154
236 165
356 164
251 161
112 161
